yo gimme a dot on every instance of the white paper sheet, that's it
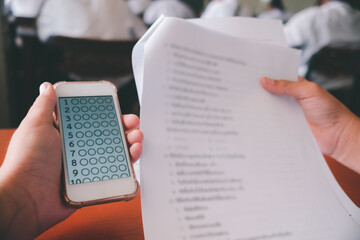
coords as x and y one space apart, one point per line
223 158
269 31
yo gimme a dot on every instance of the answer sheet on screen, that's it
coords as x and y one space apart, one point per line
222 158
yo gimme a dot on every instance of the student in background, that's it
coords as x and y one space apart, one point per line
91 19
335 21
168 8
221 8
275 10
226 8
24 8
138 7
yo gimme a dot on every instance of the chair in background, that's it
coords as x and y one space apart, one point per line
24 56
336 68
74 59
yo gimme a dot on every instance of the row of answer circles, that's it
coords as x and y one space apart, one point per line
91 101
93 108
98 141
84 162
104 170
106 177
95 124
94 116
100 151
96 133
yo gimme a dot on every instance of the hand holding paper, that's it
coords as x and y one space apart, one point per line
335 128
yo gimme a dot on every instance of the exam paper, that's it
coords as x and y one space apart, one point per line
269 31
223 158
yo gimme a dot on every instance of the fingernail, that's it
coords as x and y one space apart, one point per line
43 87
269 80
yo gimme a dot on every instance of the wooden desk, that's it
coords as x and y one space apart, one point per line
123 220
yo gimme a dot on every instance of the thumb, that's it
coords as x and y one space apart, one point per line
299 90
41 112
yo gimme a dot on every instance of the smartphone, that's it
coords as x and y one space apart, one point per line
96 162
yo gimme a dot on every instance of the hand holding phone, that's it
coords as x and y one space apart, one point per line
96 162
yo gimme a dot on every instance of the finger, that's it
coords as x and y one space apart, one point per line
55 120
299 90
135 136
131 121
42 109
135 151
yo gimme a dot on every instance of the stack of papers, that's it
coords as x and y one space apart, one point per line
223 158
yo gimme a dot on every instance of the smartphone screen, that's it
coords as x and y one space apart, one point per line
94 148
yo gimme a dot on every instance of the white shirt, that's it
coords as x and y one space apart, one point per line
90 19
138 6
169 8
24 8
275 13
220 9
316 27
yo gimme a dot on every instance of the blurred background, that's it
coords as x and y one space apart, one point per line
86 40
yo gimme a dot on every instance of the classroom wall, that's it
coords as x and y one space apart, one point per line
4 102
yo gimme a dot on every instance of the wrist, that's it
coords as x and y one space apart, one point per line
347 149
7 207
16 219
